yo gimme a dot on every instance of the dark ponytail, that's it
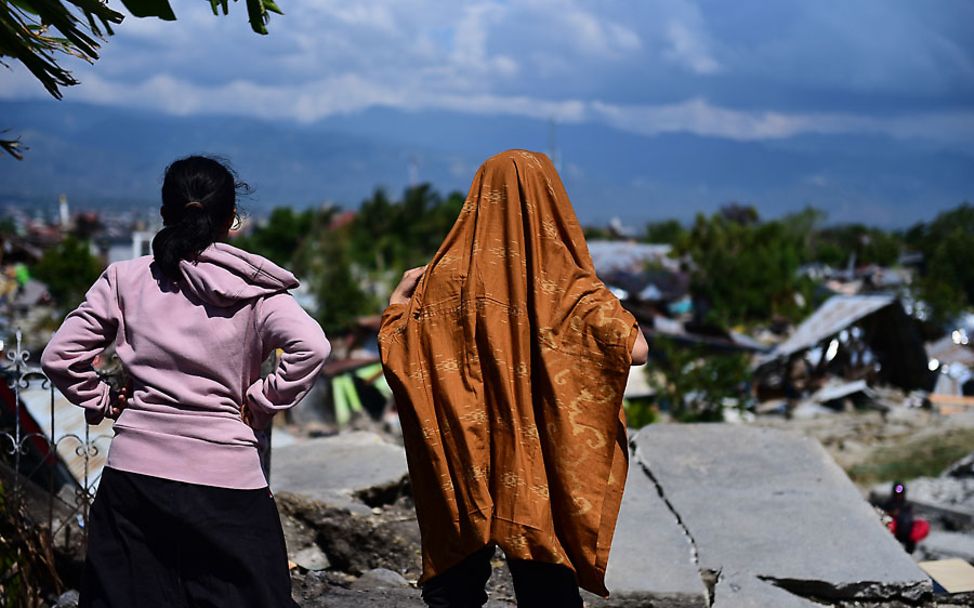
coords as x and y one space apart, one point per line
199 199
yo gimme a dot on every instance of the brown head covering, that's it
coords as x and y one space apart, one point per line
508 367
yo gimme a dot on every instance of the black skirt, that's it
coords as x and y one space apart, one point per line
156 542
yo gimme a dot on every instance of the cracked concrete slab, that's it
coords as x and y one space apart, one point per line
651 557
739 590
773 504
337 471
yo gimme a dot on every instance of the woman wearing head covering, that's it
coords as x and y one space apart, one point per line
508 359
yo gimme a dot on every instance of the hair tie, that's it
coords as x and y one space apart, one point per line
196 204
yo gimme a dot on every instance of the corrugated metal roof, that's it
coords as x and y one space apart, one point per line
69 432
836 314
839 389
946 351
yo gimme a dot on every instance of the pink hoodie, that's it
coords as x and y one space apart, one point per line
193 350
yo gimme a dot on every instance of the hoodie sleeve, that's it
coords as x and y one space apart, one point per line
85 332
283 324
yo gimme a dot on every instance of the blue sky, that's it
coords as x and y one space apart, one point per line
744 71
750 69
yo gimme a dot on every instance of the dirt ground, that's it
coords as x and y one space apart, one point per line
876 447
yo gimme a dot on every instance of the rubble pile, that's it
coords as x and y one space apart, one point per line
846 346
713 515
351 530
947 502
947 499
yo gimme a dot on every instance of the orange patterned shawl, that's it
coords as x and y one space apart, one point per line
508 367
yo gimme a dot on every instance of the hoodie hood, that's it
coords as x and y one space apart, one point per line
224 275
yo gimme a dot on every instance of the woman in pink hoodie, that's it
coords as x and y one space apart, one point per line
183 515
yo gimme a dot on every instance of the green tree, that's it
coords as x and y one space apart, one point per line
8 227
947 278
836 245
352 265
694 385
670 232
68 269
745 271
280 238
395 236
336 285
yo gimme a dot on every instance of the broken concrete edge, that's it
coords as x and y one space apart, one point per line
917 591
340 501
621 599
867 591
296 506
383 494
709 581
743 590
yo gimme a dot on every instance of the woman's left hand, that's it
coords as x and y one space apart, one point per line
246 416
406 287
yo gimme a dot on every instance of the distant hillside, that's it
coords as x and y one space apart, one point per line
106 157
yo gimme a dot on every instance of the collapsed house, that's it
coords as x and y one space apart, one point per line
858 337
952 363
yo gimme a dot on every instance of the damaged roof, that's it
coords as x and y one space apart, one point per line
836 314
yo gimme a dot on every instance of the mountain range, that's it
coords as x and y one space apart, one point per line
104 157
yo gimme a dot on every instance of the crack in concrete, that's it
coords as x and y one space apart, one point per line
708 577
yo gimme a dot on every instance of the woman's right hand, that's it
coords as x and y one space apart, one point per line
407 286
119 403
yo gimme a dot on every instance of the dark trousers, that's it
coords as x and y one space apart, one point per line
155 542
536 584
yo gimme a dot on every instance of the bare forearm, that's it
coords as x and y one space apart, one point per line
640 349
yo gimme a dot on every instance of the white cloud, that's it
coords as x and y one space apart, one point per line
702 118
371 15
597 36
687 48
470 58
606 62
347 93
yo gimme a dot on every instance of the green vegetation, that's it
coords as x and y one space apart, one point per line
27 567
744 269
395 236
695 385
669 232
68 269
924 457
352 261
640 412
838 245
947 281
278 240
